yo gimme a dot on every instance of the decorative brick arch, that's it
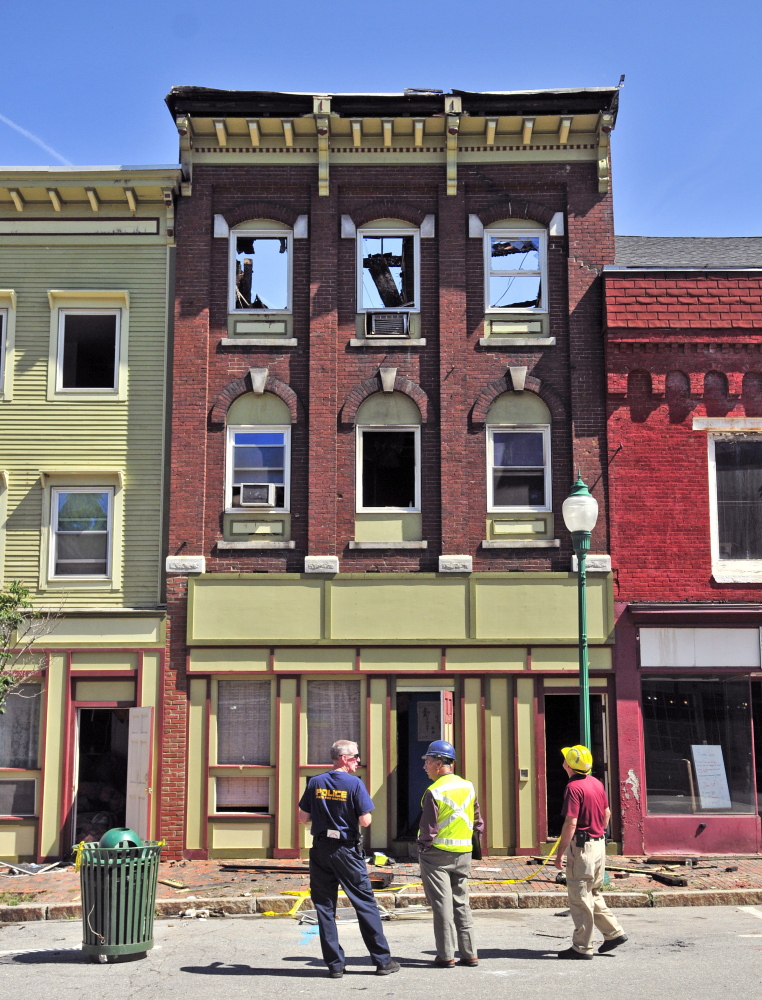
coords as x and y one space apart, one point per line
243 385
515 208
373 385
490 392
388 208
260 209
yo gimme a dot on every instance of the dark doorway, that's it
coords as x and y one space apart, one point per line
419 721
756 716
103 735
562 730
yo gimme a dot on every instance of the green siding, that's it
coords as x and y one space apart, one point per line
36 433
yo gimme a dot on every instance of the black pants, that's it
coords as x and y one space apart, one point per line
334 863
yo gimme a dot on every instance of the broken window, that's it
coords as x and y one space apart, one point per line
260 278
738 501
333 713
20 728
388 270
389 468
88 350
515 266
519 473
258 467
81 525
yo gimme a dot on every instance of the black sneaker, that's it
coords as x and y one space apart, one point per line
573 953
390 967
611 944
335 973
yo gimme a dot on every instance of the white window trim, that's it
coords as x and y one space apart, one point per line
387 428
726 570
492 507
3 520
100 301
511 234
257 428
55 490
62 314
280 234
7 342
391 231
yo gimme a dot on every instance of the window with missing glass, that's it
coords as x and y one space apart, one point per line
698 745
387 270
388 469
333 713
518 468
736 496
515 270
20 728
81 528
88 350
258 468
260 271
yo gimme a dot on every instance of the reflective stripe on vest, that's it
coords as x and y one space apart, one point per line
455 813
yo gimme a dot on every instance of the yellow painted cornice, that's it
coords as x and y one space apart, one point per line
72 297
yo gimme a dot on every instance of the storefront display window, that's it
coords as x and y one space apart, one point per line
698 745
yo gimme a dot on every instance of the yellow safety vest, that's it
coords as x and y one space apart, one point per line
455 798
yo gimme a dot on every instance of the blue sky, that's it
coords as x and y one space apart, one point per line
88 79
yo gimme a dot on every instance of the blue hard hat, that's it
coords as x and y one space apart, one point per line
440 748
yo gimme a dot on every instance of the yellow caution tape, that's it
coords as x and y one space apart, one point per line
78 849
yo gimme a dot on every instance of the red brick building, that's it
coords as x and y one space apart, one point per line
388 364
684 366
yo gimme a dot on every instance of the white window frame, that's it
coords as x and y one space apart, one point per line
727 570
54 492
492 507
3 348
512 234
257 429
288 235
98 391
7 341
391 231
100 302
388 429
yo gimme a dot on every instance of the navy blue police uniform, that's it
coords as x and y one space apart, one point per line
335 800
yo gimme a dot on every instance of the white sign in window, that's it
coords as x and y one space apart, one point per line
711 777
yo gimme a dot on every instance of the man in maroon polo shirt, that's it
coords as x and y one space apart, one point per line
586 815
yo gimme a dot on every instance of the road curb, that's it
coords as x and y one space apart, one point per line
221 906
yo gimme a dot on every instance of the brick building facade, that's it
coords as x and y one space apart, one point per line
684 368
389 318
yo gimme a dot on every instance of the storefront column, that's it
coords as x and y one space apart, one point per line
287 758
629 735
53 777
526 777
196 795
377 754
498 738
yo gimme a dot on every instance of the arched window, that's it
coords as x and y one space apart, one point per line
515 266
388 454
258 461
260 267
518 454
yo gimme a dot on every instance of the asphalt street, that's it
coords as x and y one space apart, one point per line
675 953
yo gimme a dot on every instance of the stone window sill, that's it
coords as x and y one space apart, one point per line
387 342
522 543
225 545
258 342
388 545
507 342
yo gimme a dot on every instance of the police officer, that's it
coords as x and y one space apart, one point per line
337 804
586 815
445 841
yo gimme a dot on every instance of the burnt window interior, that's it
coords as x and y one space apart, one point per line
261 272
388 469
89 351
388 272
515 272
739 498
518 468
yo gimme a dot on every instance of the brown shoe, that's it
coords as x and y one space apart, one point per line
444 963
470 963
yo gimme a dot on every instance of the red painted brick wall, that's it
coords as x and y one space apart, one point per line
323 370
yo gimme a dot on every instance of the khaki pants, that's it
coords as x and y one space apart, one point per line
445 879
584 877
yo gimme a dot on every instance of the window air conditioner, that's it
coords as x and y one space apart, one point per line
387 324
257 494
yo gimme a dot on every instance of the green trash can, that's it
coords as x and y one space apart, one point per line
118 898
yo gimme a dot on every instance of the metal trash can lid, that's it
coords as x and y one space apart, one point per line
120 836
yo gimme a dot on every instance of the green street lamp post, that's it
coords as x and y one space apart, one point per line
580 512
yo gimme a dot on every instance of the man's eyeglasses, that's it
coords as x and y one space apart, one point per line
352 756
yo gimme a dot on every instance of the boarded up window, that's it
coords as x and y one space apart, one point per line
243 795
20 728
17 798
333 713
243 722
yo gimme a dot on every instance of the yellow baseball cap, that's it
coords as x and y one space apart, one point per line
578 758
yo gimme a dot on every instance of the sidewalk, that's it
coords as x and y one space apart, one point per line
257 885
